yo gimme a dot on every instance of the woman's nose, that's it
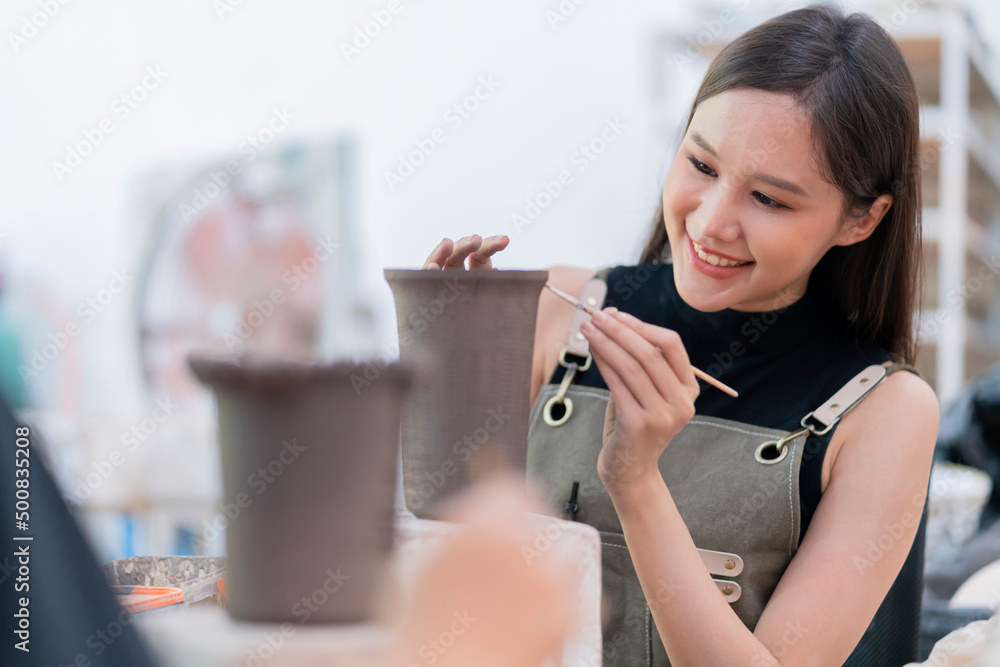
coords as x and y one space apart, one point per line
719 215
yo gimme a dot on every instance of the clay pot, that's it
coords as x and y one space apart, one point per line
309 478
467 415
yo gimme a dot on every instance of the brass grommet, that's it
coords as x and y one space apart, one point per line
730 564
835 406
863 381
567 404
727 590
759 454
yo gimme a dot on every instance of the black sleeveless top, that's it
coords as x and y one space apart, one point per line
784 363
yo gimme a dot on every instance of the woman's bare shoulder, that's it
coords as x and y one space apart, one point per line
896 424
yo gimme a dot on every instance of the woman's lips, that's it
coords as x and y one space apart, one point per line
712 270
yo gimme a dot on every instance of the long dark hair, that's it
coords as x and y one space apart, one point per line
849 77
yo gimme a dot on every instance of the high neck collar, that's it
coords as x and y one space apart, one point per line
778 329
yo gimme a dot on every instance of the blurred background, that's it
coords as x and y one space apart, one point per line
237 173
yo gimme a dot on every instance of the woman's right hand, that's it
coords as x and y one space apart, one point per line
450 253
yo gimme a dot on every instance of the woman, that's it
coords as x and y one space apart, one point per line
784 261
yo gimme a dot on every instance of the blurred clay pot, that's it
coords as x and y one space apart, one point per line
467 415
309 478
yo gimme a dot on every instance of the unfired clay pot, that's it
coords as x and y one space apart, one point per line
309 477
467 415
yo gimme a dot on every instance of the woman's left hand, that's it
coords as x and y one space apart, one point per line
652 393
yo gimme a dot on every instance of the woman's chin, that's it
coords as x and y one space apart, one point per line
699 295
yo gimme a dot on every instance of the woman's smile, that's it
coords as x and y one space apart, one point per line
713 264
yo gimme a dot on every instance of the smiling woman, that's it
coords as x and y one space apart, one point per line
782 527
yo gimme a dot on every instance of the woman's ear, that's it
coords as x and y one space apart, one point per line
857 229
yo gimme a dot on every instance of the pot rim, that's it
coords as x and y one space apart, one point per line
249 371
529 275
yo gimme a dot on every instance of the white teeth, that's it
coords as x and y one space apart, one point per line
715 260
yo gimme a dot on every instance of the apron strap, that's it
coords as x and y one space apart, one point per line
823 418
593 295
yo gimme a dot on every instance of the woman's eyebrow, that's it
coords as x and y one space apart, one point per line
700 140
770 180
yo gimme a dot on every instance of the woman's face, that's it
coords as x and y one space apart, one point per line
745 187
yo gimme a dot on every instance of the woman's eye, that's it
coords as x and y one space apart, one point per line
764 200
701 166
767 201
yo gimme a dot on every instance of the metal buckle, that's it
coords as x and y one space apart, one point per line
846 398
566 364
561 398
812 428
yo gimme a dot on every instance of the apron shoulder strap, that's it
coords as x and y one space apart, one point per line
893 366
823 418
602 274
593 295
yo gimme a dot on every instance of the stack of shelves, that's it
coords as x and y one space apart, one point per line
959 92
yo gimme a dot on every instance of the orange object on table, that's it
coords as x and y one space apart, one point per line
144 598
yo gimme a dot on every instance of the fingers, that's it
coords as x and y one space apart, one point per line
641 363
463 248
618 387
449 254
438 255
620 362
491 245
670 345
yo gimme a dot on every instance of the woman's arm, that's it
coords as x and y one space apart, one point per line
834 584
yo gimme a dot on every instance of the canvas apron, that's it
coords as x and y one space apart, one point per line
736 486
